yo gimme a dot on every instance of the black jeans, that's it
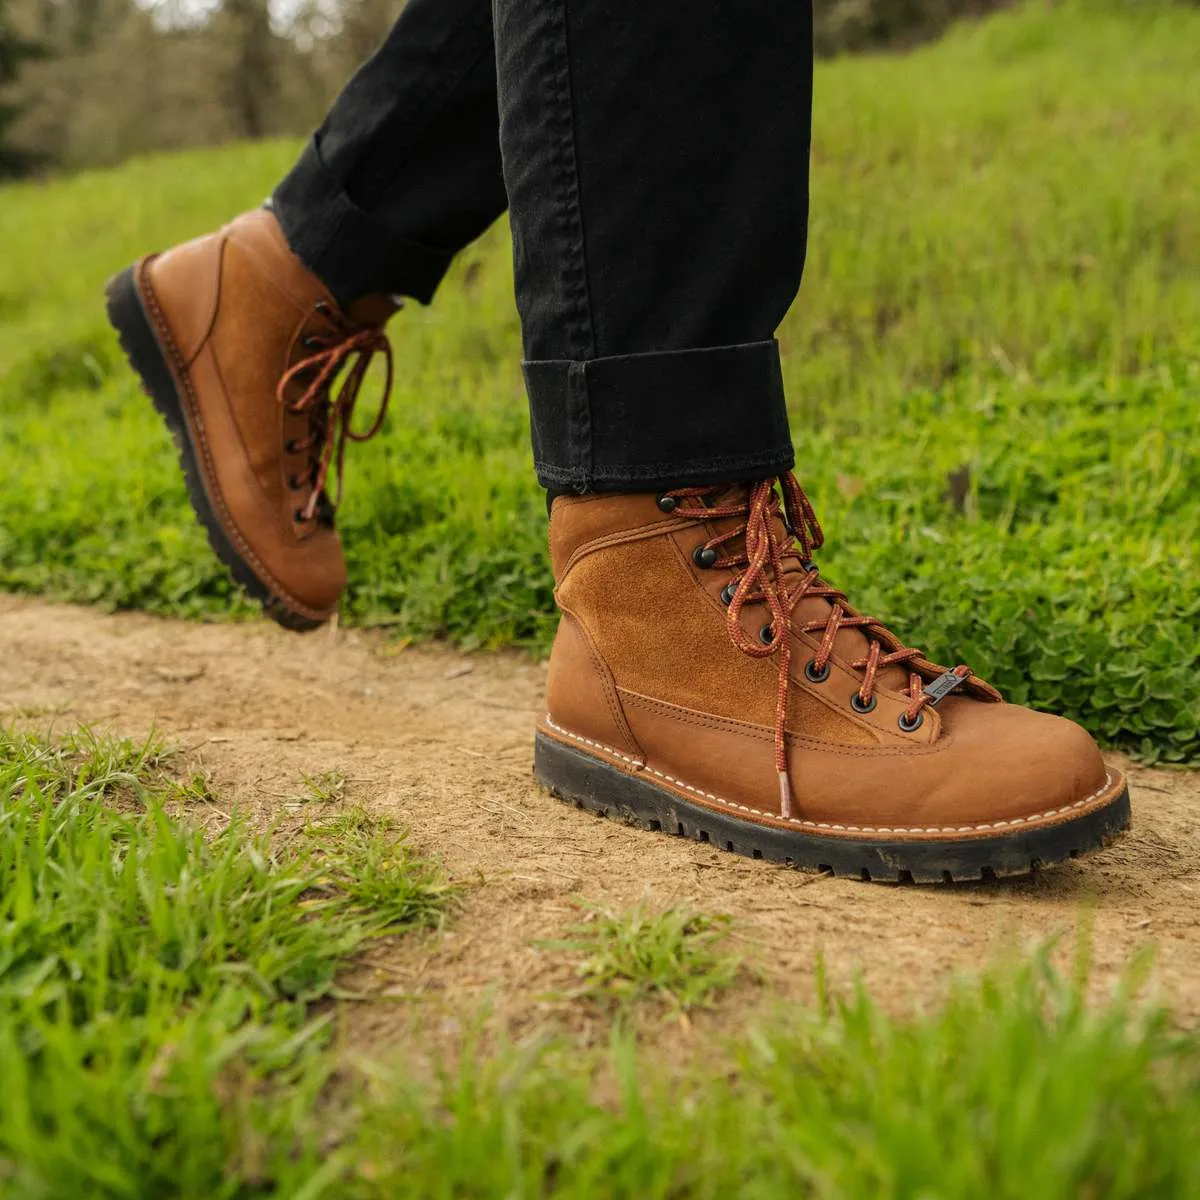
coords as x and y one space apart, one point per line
655 161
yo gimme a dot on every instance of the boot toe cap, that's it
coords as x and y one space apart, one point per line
313 575
1019 766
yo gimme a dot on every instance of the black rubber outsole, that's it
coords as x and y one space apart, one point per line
595 785
128 317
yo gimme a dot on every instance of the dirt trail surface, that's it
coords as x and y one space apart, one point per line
442 742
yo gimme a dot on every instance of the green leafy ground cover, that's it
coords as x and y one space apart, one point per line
169 1008
1004 282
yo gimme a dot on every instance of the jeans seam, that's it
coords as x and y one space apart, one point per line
580 444
780 454
566 174
644 356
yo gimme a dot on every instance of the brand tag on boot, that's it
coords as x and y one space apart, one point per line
943 685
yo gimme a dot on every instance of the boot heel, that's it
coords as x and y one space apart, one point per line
584 781
592 784
128 317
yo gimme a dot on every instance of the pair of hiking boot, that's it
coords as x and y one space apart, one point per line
705 681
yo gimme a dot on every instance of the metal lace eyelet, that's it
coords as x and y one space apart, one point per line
727 594
704 557
291 446
912 726
296 482
667 504
323 307
309 342
766 634
813 675
301 517
859 707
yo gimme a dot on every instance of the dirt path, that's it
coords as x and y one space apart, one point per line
442 742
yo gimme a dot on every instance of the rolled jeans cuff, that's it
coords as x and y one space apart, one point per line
644 422
352 253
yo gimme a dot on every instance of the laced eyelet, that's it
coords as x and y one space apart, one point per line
291 446
296 482
766 634
704 557
667 504
859 707
300 517
309 342
815 676
323 308
907 726
727 594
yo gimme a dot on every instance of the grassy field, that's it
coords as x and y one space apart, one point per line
169 1007
1004 282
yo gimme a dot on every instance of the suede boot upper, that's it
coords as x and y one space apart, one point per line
255 344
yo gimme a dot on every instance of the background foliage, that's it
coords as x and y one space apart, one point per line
15 51
160 74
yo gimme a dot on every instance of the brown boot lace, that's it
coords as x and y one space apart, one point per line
760 556
330 421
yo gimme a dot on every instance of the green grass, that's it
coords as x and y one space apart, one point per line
158 1026
1015 1088
170 1027
675 958
1004 278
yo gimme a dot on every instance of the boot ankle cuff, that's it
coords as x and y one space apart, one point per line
641 422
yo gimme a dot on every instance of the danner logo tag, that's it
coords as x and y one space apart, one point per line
943 685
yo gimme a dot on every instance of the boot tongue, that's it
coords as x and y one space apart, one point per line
850 645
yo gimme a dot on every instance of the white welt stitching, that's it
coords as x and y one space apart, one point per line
687 787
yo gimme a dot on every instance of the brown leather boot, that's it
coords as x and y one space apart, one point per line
238 345
707 682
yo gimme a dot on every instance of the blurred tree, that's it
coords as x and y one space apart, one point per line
15 51
335 37
364 25
251 79
844 26
84 17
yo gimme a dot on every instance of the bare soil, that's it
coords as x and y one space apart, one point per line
442 741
